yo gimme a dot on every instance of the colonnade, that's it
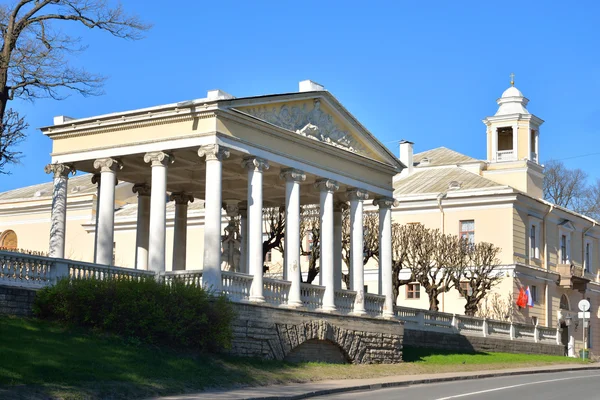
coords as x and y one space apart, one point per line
151 229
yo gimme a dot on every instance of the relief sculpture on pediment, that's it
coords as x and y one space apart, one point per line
315 124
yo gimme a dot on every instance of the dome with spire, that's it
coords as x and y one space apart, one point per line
512 102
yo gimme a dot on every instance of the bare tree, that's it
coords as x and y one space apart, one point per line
494 306
310 227
477 266
370 240
401 235
34 58
274 229
569 188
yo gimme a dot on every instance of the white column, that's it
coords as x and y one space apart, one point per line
338 211
142 233
293 178
59 208
158 210
214 154
327 187
106 220
243 210
385 253
255 167
180 230
356 269
96 181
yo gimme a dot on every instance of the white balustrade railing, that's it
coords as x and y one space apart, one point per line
312 296
25 270
374 304
188 277
344 301
426 320
276 291
505 155
82 270
236 285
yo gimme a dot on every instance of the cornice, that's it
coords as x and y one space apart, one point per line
120 124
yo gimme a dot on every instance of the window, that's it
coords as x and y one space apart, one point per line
588 256
505 138
466 287
413 291
534 320
467 230
563 249
8 240
268 256
534 293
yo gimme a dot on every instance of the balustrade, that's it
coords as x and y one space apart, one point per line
24 270
374 304
344 301
276 291
312 296
236 285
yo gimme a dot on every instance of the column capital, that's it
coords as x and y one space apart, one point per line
231 208
181 198
357 194
292 175
96 179
385 202
108 164
60 170
327 185
142 189
159 158
255 163
340 206
213 152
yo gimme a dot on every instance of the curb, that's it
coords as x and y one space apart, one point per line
325 392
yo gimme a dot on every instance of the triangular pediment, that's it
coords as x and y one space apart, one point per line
322 120
567 225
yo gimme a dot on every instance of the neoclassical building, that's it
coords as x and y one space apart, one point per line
283 150
552 250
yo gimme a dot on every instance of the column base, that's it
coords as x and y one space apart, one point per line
328 309
387 315
256 299
359 313
294 304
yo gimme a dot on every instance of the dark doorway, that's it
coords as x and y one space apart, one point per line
564 336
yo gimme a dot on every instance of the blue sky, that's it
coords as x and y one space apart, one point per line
427 71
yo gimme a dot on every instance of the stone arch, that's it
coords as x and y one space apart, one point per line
8 240
357 347
317 350
565 304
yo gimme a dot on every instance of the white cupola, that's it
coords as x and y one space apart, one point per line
512 102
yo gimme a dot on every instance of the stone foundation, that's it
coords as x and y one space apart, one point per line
466 343
283 334
16 301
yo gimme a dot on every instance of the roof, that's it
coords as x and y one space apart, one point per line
437 180
443 156
81 184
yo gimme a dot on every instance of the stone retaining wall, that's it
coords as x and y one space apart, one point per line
450 341
16 301
276 333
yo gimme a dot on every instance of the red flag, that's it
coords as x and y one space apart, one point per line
522 300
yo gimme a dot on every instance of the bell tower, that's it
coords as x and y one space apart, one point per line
513 144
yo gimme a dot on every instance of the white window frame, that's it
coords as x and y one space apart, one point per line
586 267
534 223
565 229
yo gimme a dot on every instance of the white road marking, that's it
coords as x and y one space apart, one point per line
514 386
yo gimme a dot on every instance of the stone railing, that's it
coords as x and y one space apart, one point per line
275 291
344 301
17 269
193 277
82 270
425 320
312 296
236 285
505 155
374 304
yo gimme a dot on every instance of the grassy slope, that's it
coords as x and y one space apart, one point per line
39 358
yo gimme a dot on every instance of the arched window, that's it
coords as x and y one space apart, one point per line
8 240
564 303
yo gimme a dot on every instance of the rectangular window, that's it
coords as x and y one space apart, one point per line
588 257
533 242
563 249
466 286
413 291
534 293
467 230
534 320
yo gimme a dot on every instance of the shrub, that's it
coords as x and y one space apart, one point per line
178 315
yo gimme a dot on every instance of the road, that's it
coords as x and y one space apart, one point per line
578 385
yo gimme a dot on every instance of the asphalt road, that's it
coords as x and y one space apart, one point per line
574 385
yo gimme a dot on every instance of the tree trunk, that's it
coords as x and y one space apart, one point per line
470 308
433 301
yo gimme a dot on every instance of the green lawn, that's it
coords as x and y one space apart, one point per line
39 359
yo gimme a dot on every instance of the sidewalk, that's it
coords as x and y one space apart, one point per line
321 388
